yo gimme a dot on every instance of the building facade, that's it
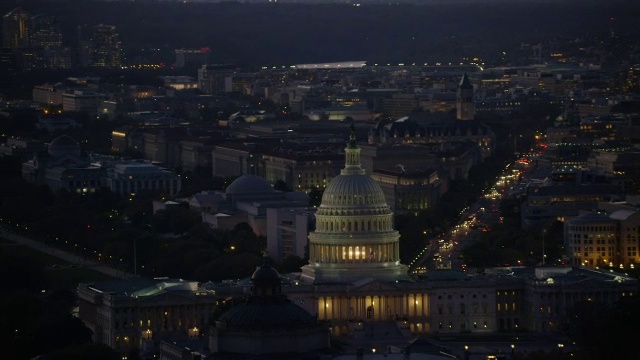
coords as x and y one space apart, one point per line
410 191
136 314
287 231
133 178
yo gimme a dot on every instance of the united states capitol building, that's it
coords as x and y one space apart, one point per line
356 283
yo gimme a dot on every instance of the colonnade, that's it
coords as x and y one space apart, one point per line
344 253
339 224
372 307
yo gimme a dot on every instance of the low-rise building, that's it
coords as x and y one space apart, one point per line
82 100
410 191
64 166
287 231
137 313
131 178
48 94
21 148
247 199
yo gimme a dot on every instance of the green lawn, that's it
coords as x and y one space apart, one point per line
65 278
21 251
60 274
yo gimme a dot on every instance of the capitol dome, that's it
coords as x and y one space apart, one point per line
354 236
249 184
353 191
64 145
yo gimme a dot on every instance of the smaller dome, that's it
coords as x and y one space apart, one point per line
63 145
266 273
249 184
277 313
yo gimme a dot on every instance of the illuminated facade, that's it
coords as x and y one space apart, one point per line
48 94
16 29
216 78
100 46
80 100
410 191
354 236
46 43
592 239
437 128
302 172
604 240
134 314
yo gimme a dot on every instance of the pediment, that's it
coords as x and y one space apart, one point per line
372 285
166 298
595 285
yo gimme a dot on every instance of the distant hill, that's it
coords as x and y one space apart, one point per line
299 33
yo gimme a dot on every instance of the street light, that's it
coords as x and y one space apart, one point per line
513 348
466 352
544 232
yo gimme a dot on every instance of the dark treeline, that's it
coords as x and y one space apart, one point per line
294 33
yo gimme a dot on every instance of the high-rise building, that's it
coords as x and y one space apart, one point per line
191 57
45 31
46 43
15 29
105 47
99 46
216 78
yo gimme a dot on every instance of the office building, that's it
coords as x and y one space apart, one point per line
99 46
191 57
287 231
16 29
216 78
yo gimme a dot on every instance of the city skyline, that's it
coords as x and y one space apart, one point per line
302 180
